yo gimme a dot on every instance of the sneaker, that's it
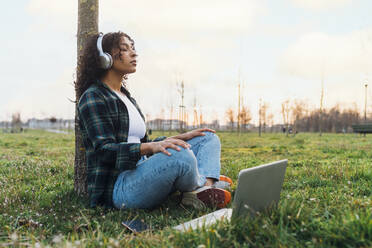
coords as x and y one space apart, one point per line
226 179
206 196
224 183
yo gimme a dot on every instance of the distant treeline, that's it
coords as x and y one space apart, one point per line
331 120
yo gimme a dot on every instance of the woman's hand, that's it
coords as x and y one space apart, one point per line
194 133
161 146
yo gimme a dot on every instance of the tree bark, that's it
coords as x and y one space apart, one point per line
87 25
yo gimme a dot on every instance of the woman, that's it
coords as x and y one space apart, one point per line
125 169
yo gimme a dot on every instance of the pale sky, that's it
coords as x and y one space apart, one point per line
278 48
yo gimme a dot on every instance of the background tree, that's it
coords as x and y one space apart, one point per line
201 119
230 116
16 122
182 108
16 118
170 117
259 117
170 107
263 113
285 114
195 122
334 119
162 118
262 117
215 122
321 106
245 117
298 110
87 25
270 121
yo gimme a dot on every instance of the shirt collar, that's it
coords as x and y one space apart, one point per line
122 88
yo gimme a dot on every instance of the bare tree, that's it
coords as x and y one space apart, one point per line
16 118
186 119
230 116
298 111
245 117
16 123
285 114
333 120
170 107
264 108
262 114
201 118
196 118
259 118
162 118
215 121
239 103
87 25
321 107
182 112
170 117
270 121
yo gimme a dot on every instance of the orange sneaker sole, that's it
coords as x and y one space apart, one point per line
226 201
226 179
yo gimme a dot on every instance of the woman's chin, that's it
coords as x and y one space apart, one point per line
130 71
133 70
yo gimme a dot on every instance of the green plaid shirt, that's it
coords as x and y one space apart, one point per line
104 123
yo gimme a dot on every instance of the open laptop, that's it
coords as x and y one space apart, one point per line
258 188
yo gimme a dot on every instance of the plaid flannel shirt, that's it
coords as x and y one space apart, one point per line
104 124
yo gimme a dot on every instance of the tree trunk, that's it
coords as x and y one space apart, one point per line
87 25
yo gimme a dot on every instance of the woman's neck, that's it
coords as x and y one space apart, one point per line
113 80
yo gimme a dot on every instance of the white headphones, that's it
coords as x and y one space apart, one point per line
104 58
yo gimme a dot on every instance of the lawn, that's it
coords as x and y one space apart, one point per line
326 200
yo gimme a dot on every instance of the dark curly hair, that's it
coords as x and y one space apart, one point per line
88 68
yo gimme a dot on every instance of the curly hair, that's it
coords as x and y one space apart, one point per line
88 68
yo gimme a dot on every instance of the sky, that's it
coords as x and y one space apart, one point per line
277 49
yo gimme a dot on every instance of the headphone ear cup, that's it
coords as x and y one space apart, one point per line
106 61
111 61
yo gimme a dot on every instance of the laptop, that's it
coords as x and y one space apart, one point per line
258 188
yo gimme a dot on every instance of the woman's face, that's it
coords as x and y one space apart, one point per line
125 58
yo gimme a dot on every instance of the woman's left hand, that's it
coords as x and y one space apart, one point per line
194 133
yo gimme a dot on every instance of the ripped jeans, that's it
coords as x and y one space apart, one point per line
159 175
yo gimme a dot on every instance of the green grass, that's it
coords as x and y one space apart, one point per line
325 201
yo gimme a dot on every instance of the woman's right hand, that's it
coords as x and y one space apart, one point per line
161 146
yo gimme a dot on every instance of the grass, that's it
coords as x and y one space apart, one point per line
325 200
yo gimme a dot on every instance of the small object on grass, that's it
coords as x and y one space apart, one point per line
135 226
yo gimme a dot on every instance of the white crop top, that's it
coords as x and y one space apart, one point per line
137 127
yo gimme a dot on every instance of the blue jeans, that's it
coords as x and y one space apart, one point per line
159 175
